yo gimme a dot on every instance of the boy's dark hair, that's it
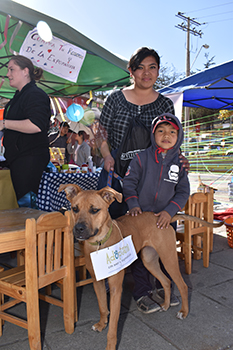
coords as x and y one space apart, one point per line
139 55
64 124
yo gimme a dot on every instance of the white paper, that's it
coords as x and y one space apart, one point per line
109 261
56 56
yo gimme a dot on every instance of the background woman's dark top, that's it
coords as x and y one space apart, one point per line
27 154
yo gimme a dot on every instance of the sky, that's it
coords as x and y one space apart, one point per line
122 26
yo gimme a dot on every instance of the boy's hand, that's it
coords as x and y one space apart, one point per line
135 211
163 220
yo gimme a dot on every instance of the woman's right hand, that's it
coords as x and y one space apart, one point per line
109 163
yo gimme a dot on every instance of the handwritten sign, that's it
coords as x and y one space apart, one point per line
109 261
56 56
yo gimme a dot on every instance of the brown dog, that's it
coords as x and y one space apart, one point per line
93 224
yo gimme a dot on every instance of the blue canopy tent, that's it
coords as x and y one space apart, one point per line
211 88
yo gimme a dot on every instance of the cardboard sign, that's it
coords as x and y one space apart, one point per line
109 261
56 56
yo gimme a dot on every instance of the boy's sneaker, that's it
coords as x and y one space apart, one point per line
146 305
174 301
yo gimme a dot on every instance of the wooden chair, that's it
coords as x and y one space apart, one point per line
49 257
80 266
193 238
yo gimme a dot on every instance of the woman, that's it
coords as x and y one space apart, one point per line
139 100
26 123
81 150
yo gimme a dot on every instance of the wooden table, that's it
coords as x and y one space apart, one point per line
12 227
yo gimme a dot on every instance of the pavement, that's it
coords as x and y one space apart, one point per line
209 325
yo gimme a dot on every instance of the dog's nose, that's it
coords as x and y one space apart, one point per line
80 227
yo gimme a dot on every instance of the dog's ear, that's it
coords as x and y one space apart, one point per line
71 190
109 195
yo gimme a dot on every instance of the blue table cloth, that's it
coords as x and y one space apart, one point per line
49 199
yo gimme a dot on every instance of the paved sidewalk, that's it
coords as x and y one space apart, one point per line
209 325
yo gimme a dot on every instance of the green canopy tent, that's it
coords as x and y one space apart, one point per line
101 70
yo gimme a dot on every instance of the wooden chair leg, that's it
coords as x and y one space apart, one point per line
69 290
211 240
1 320
68 305
1 302
206 249
188 258
33 319
20 257
197 243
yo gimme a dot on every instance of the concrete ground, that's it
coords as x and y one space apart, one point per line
209 325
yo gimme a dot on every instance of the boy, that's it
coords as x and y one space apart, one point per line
155 181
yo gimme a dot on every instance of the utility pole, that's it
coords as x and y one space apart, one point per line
188 25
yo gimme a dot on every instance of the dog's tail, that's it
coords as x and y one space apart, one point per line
194 218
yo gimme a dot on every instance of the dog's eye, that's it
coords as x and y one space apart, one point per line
94 210
75 209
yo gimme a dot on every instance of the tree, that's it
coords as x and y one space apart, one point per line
209 60
167 76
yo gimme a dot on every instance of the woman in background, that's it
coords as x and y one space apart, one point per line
81 150
25 124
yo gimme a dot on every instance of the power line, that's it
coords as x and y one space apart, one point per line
217 14
207 8
220 20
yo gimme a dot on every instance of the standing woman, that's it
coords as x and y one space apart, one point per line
139 100
25 124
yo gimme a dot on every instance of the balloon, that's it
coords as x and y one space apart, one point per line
89 117
75 112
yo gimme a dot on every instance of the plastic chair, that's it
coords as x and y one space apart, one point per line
49 257
194 238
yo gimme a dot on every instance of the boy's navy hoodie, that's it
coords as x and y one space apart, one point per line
154 183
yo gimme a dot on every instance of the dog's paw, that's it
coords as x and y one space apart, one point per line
162 309
179 315
94 328
98 327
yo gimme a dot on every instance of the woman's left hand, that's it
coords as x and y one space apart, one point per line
185 162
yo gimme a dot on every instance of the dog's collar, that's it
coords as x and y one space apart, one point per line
99 243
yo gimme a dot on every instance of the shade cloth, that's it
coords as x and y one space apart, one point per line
101 70
211 88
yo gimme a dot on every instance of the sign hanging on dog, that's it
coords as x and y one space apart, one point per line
109 261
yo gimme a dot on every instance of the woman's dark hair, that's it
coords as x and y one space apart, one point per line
24 62
81 133
139 55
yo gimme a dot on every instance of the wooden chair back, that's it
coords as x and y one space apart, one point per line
195 238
